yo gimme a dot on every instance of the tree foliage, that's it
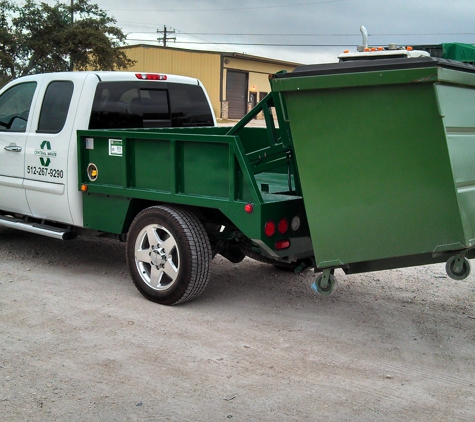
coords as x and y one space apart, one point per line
36 38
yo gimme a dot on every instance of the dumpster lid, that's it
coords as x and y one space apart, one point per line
375 65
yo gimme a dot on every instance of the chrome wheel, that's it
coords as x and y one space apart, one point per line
157 257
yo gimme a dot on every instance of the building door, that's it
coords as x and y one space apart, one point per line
236 94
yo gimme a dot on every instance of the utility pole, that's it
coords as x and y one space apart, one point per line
71 63
165 37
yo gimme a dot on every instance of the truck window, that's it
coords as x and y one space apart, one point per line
55 107
15 106
154 107
111 108
123 105
189 106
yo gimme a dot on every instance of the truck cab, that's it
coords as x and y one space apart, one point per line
40 115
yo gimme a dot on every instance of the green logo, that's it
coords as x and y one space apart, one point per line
45 145
45 154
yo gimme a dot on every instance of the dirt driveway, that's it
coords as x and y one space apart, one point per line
78 342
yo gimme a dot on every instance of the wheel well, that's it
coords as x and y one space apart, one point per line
205 215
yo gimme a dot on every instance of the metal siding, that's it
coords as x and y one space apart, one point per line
259 81
258 74
257 66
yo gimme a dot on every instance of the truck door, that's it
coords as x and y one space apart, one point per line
15 105
47 152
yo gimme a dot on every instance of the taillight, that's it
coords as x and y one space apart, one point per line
269 229
249 208
151 76
283 226
282 244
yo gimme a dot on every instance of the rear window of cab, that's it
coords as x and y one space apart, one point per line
144 104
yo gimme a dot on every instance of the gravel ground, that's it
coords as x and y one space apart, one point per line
79 343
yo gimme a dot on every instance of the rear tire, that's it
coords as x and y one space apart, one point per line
168 254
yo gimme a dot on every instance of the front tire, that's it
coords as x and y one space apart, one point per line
168 254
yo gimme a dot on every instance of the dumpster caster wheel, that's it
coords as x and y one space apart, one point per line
458 267
325 283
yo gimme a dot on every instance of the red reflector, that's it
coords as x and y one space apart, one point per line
282 244
269 228
283 226
151 76
249 208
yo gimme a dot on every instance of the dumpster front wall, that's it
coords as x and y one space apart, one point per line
375 172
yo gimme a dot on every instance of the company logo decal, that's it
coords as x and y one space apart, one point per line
45 153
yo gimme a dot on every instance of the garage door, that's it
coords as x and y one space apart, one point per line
236 94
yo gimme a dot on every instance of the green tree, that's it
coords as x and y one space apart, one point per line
36 38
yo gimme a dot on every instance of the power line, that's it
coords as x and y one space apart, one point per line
309 35
230 8
255 35
251 44
270 35
267 44
327 35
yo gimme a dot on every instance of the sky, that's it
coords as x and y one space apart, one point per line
301 31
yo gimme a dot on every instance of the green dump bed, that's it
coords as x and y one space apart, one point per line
236 177
385 151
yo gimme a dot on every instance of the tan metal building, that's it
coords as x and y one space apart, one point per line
235 82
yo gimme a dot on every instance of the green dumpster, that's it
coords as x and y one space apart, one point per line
385 152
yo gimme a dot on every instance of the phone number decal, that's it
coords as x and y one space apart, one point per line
44 171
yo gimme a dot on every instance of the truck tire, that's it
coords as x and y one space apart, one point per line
168 254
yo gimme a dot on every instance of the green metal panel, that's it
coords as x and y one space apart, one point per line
375 171
454 77
150 164
457 107
112 170
105 213
205 169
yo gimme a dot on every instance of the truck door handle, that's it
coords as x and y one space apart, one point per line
13 148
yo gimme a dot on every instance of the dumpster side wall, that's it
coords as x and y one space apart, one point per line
457 105
375 172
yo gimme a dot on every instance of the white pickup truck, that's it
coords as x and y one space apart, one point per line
40 116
